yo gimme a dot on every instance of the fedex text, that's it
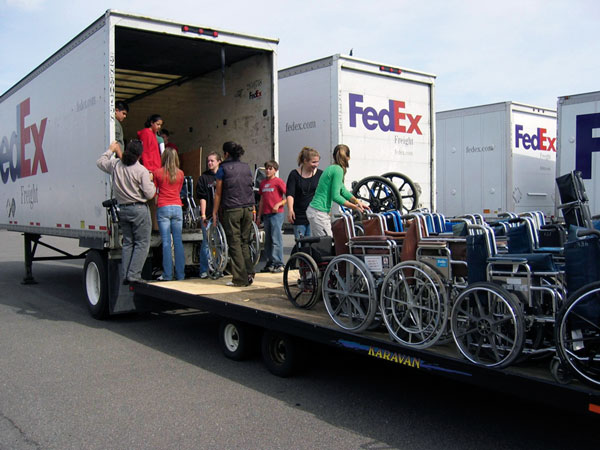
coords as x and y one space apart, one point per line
392 119
14 162
537 141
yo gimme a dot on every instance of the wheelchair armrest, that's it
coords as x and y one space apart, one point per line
310 239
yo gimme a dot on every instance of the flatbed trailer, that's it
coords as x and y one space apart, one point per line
263 310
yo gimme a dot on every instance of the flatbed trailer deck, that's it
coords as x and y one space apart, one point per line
264 306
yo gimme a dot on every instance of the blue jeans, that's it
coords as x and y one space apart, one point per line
136 226
273 239
204 254
170 222
301 231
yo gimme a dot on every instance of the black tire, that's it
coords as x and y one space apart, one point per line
577 334
379 193
409 191
95 284
302 280
236 340
280 353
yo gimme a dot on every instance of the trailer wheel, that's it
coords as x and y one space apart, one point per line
280 353
235 340
95 283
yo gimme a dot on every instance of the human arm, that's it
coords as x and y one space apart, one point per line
147 186
217 202
290 204
282 189
105 163
341 195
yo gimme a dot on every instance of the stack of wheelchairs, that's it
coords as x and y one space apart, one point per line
499 291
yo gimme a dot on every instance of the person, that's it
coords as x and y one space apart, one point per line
331 189
169 181
132 187
121 110
151 156
234 191
166 135
205 191
270 211
301 186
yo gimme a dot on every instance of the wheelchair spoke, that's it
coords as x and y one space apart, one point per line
586 320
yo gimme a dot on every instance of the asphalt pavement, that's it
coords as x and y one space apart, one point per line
159 381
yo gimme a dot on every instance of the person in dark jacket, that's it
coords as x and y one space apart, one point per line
205 191
234 192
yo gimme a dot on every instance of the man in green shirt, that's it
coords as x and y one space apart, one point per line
121 110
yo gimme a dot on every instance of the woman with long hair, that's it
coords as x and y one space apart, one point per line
234 192
132 188
151 155
300 190
331 189
169 180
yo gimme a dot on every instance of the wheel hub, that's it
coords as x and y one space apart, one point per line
484 327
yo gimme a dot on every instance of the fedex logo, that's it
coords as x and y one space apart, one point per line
392 119
537 141
587 141
14 163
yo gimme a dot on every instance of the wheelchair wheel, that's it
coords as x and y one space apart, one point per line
577 333
487 325
414 304
379 193
409 191
301 280
349 293
217 250
255 244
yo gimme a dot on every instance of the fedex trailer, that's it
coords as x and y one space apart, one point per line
579 141
496 158
210 86
384 114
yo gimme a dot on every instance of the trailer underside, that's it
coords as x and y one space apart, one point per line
264 304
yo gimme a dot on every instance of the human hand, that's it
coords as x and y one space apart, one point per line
114 146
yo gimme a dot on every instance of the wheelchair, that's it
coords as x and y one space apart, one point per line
416 294
309 258
507 312
218 250
351 280
577 330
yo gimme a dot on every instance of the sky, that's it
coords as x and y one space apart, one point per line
528 51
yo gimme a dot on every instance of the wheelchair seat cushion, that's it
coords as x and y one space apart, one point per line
538 262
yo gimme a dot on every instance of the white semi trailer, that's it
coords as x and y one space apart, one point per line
209 85
496 158
579 141
383 113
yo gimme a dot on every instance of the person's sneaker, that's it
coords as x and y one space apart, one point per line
162 278
204 275
267 269
277 269
231 283
250 279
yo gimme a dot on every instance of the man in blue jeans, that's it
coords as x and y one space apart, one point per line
205 191
270 209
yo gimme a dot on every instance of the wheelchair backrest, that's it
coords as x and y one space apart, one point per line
582 262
